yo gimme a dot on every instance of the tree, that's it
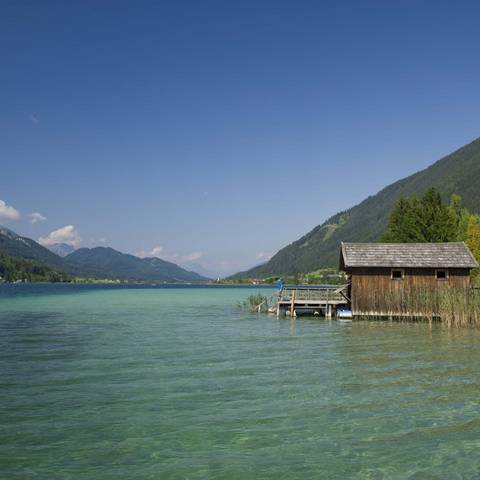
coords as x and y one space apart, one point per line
405 222
13 269
460 217
437 223
473 235
473 242
427 220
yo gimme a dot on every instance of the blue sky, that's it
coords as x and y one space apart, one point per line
215 133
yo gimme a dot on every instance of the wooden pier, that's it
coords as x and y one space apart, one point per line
321 300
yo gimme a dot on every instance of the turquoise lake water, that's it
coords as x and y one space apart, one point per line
177 383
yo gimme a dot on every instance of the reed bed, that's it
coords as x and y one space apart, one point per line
255 303
452 306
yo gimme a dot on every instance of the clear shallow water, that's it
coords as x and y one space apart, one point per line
178 384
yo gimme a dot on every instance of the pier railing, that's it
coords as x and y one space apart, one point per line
312 293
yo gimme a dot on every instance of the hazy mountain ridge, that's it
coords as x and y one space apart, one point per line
458 172
101 262
125 266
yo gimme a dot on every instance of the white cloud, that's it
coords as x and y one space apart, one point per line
36 217
191 257
263 255
7 212
95 242
66 234
181 259
154 252
172 257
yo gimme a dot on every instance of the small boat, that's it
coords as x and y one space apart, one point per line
344 314
307 311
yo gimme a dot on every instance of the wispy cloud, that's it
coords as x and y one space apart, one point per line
154 252
7 212
94 242
264 255
183 259
33 118
36 217
66 234
159 252
191 257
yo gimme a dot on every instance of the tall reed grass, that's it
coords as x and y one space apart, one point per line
255 303
453 306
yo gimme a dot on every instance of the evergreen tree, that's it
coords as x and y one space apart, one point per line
405 222
427 220
437 224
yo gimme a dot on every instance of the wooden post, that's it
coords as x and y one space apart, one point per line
292 304
279 298
328 313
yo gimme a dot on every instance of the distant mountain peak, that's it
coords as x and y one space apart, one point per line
61 249
8 233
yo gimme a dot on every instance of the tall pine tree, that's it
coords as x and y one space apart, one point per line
404 225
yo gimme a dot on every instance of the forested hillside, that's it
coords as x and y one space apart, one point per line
458 173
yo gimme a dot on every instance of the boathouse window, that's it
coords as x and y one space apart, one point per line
441 274
397 274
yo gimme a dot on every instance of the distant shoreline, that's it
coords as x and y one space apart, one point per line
26 285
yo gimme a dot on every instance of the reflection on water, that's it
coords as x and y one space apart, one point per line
157 383
292 326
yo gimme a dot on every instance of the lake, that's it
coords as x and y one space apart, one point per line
177 383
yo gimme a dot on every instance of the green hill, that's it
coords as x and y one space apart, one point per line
458 172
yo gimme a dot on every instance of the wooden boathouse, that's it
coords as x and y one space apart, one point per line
383 275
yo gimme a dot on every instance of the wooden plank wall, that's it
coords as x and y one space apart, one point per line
372 286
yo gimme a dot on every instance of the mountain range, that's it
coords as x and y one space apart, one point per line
99 262
458 173
102 260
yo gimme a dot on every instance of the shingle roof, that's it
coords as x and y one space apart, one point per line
422 255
